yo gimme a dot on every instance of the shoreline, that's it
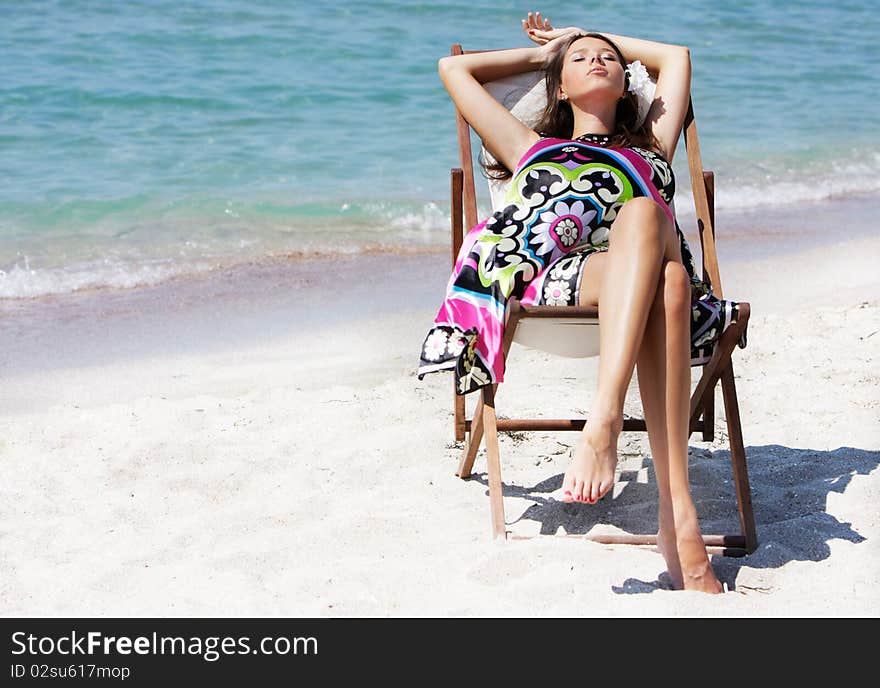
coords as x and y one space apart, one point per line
741 234
259 302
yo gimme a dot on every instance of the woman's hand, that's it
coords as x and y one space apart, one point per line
535 22
541 31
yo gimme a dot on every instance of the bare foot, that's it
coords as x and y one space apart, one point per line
591 473
681 545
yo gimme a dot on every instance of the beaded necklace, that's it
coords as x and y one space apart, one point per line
600 139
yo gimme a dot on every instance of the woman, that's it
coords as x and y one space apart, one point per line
590 182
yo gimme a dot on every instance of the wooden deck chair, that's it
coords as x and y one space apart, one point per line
572 328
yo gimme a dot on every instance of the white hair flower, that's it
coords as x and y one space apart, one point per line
641 84
638 75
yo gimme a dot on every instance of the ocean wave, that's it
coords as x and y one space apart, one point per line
134 252
818 182
23 282
34 274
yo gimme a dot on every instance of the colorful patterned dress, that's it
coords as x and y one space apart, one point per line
561 204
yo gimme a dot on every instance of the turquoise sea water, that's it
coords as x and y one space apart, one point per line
145 139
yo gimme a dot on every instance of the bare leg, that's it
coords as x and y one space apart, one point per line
623 282
664 383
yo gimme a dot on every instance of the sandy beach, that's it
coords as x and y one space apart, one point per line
255 443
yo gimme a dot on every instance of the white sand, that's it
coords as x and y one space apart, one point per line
313 474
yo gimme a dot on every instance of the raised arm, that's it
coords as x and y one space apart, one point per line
505 137
671 66
668 64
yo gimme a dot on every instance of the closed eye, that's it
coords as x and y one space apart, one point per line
577 57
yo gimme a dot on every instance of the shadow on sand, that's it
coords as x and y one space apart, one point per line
789 487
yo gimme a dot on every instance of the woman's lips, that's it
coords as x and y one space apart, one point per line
598 70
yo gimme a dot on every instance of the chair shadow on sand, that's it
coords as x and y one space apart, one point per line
789 487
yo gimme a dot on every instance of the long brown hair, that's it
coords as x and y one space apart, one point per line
557 119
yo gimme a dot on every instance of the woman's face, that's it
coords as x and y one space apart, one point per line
592 67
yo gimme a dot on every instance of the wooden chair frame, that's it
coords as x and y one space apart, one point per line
485 424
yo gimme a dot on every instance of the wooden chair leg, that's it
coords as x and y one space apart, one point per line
703 397
466 464
459 414
709 416
738 459
493 461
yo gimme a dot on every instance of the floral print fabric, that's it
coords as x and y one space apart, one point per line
562 202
